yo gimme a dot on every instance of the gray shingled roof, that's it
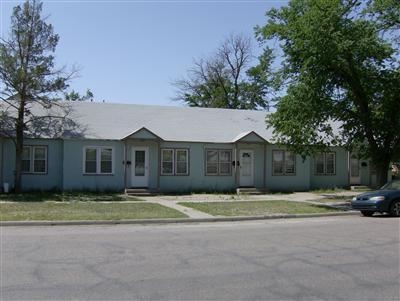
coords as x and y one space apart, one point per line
112 121
117 121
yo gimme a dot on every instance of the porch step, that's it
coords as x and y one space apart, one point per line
250 190
140 192
359 187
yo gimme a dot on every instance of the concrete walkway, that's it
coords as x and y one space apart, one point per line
172 201
190 212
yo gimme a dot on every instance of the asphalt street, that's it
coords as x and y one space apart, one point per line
329 258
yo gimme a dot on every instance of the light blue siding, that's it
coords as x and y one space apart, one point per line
197 180
74 177
65 164
339 179
52 180
300 181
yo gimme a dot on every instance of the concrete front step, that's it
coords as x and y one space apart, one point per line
250 190
140 192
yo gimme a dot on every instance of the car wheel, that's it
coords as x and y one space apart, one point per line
367 213
395 208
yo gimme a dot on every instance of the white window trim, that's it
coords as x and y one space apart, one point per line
206 162
218 173
32 159
284 162
162 161
174 162
98 160
325 162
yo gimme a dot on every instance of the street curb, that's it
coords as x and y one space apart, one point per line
172 220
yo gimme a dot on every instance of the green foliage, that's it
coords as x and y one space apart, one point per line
26 59
29 77
75 96
225 79
341 76
386 13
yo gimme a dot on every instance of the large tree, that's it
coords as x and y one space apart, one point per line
226 79
340 77
28 77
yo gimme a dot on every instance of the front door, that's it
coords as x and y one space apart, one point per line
355 178
140 167
246 166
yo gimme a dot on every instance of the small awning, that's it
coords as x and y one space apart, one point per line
249 136
143 134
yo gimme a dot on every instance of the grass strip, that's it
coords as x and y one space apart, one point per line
29 211
66 197
256 208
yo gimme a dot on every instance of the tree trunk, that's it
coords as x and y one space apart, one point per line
18 166
382 169
19 146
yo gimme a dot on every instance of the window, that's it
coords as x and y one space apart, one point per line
283 163
26 159
174 162
34 159
218 162
181 161
167 161
325 164
98 160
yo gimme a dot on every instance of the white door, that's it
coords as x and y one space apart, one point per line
355 178
246 166
140 167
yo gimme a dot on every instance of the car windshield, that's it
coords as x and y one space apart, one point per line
395 184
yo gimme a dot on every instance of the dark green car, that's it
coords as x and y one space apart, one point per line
386 199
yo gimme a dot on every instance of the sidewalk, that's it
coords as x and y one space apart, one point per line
172 201
190 212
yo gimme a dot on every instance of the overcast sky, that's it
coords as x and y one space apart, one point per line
130 51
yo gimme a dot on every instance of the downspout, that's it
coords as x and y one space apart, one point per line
265 166
348 168
125 180
62 165
158 164
236 166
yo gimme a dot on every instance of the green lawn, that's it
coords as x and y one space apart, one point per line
253 208
28 211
